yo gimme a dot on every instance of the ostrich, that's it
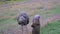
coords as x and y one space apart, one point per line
36 25
23 19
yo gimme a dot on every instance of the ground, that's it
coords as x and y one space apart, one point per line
8 13
51 28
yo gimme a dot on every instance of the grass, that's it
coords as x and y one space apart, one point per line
12 1
55 10
51 28
8 22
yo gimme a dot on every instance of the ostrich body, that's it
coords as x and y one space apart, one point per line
23 20
36 25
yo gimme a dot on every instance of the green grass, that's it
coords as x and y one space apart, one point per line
12 1
9 21
8 24
55 10
51 28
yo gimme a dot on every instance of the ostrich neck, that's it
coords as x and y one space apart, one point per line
36 21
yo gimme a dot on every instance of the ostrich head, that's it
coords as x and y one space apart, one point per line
23 18
36 18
